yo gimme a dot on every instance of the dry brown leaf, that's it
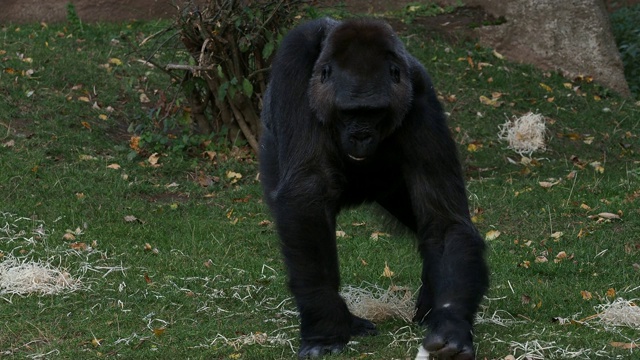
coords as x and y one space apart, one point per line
68 236
377 234
340 234
78 246
586 295
611 293
113 166
625 346
153 159
387 271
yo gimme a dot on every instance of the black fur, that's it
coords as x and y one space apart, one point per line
350 117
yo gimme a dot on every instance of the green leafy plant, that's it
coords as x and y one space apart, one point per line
75 24
625 24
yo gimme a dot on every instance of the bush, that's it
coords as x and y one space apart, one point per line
625 24
231 44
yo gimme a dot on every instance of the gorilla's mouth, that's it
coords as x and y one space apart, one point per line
356 158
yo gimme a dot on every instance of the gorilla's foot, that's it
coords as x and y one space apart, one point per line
362 327
450 340
315 349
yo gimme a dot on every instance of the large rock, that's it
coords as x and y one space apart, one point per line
571 36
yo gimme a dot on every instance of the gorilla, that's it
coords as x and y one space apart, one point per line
349 117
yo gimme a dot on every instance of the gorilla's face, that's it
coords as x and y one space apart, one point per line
361 86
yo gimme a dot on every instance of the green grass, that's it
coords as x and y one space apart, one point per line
197 274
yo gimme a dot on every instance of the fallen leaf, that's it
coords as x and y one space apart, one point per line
78 246
113 166
377 234
147 278
546 87
144 98
609 216
498 55
9 143
84 99
492 235
557 234
597 166
233 176
264 223
159 331
625 346
560 256
586 295
491 102
130 218
153 159
387 271
541 259
340 234
115 61
68 236
103 117
611 293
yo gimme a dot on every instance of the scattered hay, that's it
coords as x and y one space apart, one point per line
257 338
377 304
26 277
621 312
525 134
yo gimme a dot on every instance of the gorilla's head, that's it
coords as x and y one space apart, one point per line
361 85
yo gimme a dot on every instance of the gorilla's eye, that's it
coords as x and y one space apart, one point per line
326 72
395 73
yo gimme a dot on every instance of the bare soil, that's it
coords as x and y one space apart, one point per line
25 11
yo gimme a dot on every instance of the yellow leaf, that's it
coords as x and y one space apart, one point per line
153 159
546 87
492 235
103 117
159 331
567 85
96 342
115 61
491 102
472 147
84 99
557 234
498 55
387 271
233 176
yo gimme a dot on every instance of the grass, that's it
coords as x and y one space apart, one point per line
170 268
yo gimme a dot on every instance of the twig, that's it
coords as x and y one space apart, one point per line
192 68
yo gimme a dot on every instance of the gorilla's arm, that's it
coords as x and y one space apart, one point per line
454 275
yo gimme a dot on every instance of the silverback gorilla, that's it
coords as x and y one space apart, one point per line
350 117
